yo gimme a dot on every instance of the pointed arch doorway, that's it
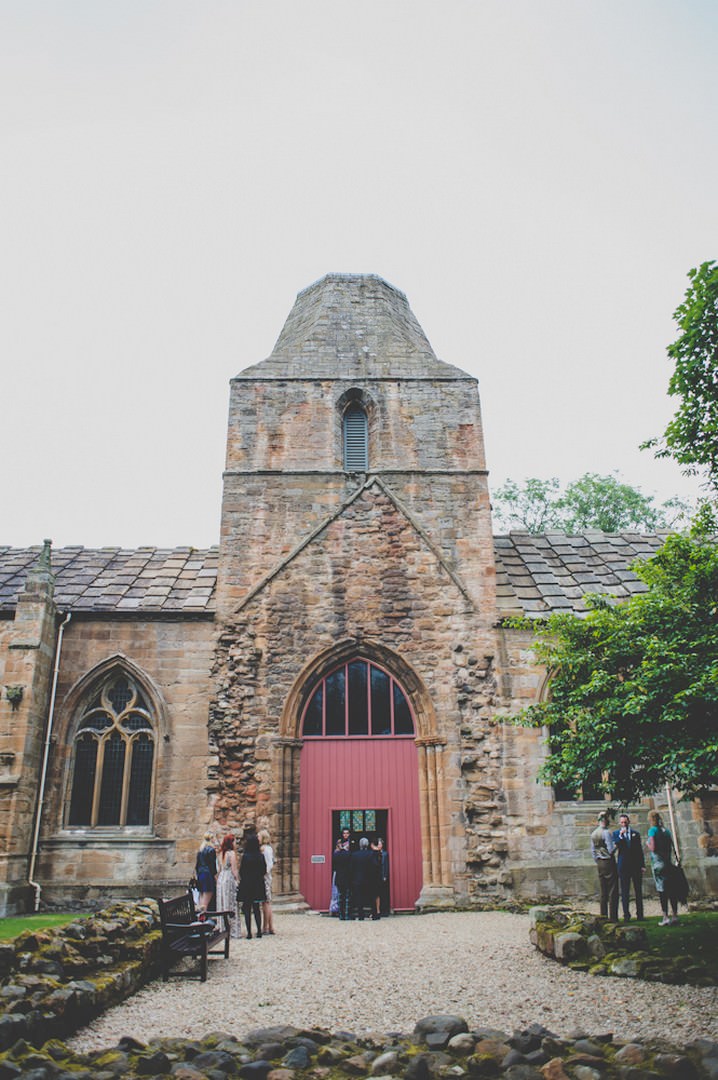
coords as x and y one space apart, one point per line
359 769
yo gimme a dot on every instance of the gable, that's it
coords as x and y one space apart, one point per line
370 538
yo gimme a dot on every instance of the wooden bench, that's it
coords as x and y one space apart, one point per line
183 934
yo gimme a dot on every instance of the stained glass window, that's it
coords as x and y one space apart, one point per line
138 803
84 780
113 768
113 763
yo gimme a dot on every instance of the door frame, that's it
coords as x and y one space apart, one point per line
434 766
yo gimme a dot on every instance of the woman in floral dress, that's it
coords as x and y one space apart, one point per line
227 883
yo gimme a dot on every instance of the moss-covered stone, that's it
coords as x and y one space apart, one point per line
56 980
533 1052
589 943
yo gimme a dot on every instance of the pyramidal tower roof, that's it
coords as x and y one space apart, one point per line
351 326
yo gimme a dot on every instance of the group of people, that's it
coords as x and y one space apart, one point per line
230 878
360 878
618 854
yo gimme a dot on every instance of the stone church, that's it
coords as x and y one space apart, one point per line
339 659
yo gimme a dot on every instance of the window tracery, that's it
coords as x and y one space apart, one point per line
113 757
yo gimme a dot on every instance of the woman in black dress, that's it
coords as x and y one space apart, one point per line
251 890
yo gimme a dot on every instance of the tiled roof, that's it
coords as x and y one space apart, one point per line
539 574
535 574
118 579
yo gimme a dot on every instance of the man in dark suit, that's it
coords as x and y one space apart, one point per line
341 869
363 879
631 865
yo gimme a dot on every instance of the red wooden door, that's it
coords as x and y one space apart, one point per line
374 773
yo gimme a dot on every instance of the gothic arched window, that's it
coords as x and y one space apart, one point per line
356 439
357 699
113 757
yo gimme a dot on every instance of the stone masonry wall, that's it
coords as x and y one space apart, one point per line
549 841
285 476
279 423
176 656
371 578
28 664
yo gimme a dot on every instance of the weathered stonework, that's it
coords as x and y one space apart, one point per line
176 655
54 981
28 658
388 593
592 943
395 564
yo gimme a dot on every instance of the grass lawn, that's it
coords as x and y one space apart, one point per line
14 925
696 934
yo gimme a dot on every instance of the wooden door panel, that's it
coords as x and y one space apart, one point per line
346 773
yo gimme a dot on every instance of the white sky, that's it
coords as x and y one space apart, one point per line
538 176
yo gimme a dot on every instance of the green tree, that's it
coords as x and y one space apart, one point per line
634 685
530 506
591 502
691 437
603 502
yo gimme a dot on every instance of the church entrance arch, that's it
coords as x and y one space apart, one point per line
358 770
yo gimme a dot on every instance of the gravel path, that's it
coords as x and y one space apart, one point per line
384 976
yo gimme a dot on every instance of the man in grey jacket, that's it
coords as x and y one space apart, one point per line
602 849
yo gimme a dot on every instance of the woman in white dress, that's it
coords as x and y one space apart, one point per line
268 852
227 883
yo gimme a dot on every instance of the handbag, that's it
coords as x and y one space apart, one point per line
678 883
334 900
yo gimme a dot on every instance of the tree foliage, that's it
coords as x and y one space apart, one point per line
691 437
634 685
591 502
531 506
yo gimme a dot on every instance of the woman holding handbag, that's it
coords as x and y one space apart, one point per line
666 874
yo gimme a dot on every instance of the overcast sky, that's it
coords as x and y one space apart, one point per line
537 176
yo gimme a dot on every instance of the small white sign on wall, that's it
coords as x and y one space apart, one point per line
318 859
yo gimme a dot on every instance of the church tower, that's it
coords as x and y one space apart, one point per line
356 598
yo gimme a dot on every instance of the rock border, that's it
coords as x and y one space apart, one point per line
57 980
441 1047
594 944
